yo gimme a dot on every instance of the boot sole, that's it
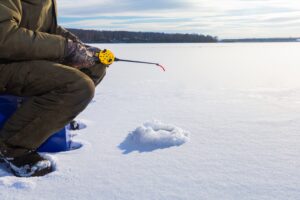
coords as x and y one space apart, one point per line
42 172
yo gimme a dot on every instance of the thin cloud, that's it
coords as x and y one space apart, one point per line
224 18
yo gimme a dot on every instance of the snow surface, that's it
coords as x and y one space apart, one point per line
240 102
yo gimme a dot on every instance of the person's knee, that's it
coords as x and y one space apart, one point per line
96 73
86 88
79 90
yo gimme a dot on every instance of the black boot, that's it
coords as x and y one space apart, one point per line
28 164
74 125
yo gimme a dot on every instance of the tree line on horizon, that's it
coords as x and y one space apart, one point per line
95 36
245 40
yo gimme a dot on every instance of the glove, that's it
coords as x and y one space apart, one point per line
67 34
94 50
78 55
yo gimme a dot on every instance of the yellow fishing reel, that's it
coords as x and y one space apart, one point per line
106 57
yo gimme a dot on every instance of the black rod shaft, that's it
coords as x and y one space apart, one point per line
135 61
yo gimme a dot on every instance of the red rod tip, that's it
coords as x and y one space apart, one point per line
162 67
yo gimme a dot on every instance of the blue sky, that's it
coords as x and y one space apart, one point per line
222 18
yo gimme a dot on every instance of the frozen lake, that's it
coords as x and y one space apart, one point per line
239 102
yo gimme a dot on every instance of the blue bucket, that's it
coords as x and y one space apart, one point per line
59 141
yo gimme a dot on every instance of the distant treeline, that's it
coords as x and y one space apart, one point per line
93 36
261 40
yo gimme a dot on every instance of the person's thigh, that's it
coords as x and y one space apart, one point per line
31 78
56 94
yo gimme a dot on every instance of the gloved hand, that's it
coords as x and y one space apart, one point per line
108 60
78 55
92 49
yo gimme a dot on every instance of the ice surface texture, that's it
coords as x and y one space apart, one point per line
240 102
154 135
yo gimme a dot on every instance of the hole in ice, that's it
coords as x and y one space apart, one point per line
152 136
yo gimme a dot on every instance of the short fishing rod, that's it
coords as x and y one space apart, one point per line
107 57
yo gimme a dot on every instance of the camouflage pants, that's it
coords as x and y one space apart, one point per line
56 94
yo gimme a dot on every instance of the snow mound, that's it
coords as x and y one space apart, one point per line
154 135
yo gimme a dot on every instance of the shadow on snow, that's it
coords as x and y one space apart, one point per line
129 146
4 170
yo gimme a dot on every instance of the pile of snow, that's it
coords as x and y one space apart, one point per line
157 133
154 135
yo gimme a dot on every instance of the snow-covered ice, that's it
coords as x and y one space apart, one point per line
16 183
239 102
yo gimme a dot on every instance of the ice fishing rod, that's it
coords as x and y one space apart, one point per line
107 57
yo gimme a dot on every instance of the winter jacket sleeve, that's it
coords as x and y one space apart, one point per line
17 43
67 34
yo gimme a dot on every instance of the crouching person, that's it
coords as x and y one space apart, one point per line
52 68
